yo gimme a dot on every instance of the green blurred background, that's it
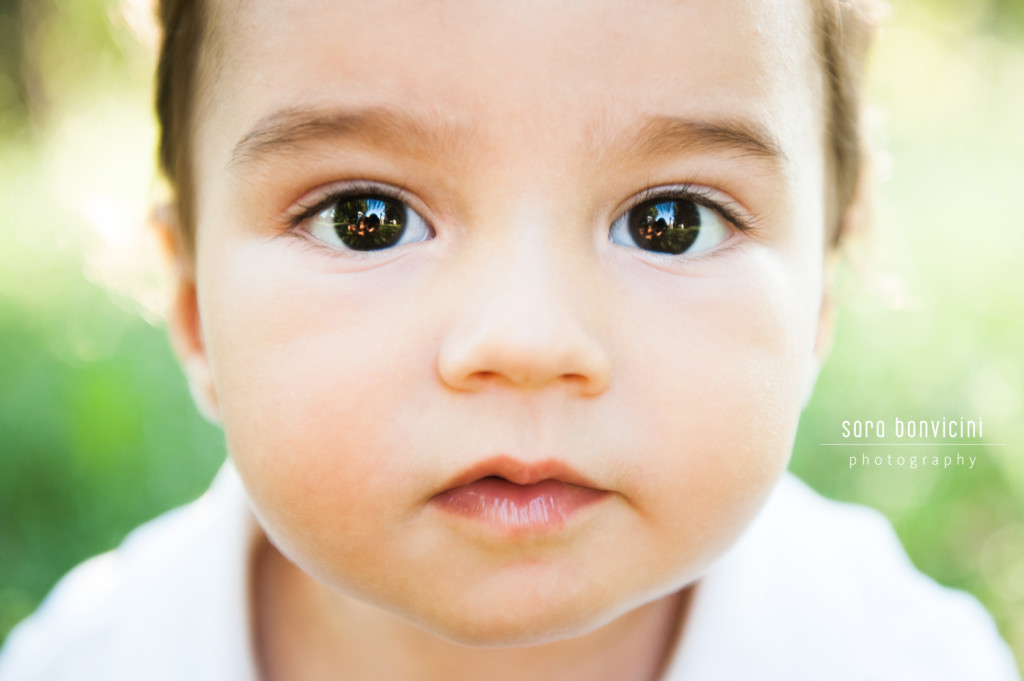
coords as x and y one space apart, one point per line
98 434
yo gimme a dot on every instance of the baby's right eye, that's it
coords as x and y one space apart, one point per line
365 222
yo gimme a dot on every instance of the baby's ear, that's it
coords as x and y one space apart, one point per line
827 313
826 324
183 322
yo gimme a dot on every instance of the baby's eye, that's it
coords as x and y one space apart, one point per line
367 223
671 226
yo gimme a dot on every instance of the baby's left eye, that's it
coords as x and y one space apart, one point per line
368 222
671 226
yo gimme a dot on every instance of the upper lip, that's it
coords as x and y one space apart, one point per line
520 472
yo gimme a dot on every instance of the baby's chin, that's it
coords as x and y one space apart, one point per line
517 622
504 630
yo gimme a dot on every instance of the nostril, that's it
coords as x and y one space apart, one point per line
478 379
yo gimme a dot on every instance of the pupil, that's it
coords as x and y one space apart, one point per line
665 226
369 223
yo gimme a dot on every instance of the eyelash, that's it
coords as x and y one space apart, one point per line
305 211
732 212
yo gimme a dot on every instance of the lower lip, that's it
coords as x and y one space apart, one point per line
508 506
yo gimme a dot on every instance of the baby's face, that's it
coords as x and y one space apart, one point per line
517 408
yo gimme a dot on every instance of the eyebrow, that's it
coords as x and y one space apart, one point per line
671 135
292 130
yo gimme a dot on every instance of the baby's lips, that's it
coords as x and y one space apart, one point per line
510 507
521 472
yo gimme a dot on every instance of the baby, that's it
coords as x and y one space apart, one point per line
508 312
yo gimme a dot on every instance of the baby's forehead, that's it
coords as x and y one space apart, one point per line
556 73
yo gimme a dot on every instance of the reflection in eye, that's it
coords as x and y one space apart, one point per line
672 226
368 223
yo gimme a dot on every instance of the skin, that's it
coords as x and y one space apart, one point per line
352 389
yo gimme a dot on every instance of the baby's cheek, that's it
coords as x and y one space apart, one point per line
725 411
309 400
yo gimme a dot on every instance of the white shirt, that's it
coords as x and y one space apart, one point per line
815 589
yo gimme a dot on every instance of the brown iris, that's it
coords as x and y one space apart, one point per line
665 226
369 223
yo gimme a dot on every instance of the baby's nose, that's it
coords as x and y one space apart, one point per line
522 330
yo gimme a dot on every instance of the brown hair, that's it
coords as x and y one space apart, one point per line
845 29
177 74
